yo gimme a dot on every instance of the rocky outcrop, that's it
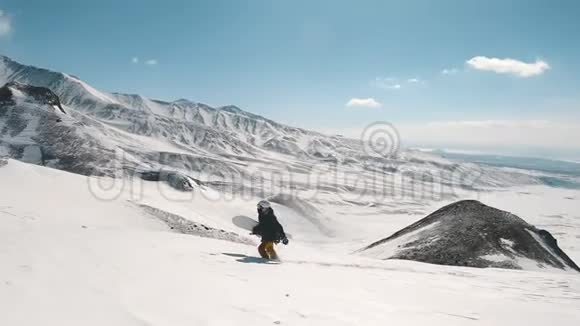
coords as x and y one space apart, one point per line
35 128
182 225
32 94
176 180
469 233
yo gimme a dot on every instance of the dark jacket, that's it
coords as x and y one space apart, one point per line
269 227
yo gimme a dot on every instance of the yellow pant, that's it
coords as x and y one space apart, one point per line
266 250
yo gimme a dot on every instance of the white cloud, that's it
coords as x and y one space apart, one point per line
391 83
149 62
364 102
5 24
450 71
386 83
508 66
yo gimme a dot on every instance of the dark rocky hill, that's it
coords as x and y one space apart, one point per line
469 233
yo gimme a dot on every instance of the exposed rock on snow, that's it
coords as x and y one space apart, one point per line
38 133
13 92
185 226
177 180
469 233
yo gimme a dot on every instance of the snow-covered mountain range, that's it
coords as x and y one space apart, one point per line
93 132
225 130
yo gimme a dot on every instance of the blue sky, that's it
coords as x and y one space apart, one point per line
302 62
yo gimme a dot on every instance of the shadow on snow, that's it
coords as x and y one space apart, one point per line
249 259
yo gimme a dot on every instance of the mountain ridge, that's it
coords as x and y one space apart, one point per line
224 144
111 96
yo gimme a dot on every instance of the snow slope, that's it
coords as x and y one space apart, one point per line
73 255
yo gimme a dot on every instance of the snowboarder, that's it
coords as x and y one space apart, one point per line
270 229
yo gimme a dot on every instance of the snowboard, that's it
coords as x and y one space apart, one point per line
248 223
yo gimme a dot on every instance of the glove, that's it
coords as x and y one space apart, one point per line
285 241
